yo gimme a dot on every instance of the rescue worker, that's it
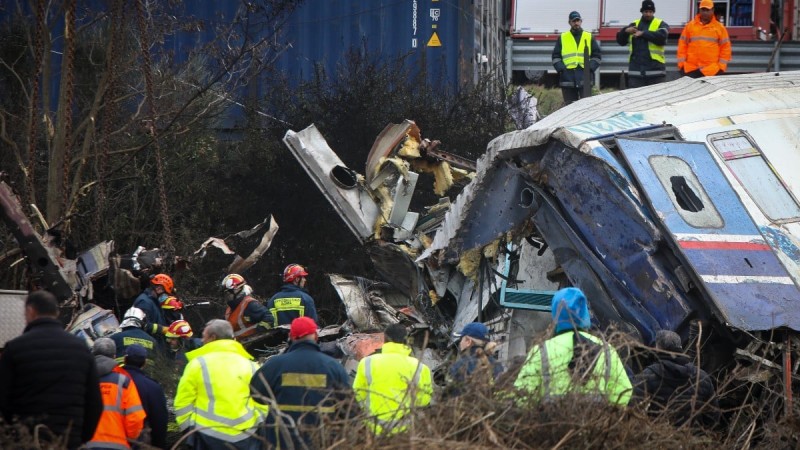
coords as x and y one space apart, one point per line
172 309
152 395
574 361
131 332
676 387
704 48
475 363
303 382
213 403
292 300
179 341
645 38
149 301
48 377
568 58
123 415
390 383
244 312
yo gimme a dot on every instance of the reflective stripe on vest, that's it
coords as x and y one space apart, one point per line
107 445
210 414
571 51
307 408
546 377
287 304
236 319
395 422
656 51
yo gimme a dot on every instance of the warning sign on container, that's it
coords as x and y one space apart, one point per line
434 41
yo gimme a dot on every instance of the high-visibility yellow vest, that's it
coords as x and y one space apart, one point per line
546 374
287 304
572 52
214 392
389 384
656 51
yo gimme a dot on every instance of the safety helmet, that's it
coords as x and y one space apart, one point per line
293 272
179 329
172 303
233 283
133 317
164 281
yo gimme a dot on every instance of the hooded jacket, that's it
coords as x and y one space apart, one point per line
674 384
574 361
123 414
48 376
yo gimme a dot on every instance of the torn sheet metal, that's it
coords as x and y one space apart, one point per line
240 242
352 202
365 309
42 259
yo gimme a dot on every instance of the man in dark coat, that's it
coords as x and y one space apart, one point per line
48 376
150 300
646 38
305 383
671 386
568 58
152 395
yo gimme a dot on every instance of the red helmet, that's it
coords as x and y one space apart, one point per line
178 329
293 272
172 303
164 281
233 282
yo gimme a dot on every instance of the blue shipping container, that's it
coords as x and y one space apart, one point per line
437 35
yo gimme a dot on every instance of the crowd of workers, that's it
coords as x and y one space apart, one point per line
704 50
102 398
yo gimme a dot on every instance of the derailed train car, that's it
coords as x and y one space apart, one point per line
672 207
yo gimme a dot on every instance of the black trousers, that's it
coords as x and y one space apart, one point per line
635 82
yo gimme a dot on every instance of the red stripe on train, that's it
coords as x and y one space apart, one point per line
710 245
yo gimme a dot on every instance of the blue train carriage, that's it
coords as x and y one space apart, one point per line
673 207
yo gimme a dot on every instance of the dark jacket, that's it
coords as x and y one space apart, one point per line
49 376
283 306
155 405
468 363
670 385
254 313
304 381
147 301
133 335
640 61
574 77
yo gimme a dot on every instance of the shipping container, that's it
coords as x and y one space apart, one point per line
443 38
746 20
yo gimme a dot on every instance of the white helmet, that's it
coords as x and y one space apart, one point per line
134 317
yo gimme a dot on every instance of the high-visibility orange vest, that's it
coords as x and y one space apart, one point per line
123 415
241 327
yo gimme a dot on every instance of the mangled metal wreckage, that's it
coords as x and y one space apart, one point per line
673 207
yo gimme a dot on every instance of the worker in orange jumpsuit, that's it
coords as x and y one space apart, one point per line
704 49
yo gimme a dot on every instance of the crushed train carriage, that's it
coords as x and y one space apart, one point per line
673 206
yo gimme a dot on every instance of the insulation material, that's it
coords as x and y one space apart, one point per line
410 147
441 171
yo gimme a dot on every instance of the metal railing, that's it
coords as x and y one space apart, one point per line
748 57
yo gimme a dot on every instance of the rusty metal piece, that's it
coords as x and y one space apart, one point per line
41 258
454 160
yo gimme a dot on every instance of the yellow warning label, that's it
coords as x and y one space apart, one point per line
434 41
